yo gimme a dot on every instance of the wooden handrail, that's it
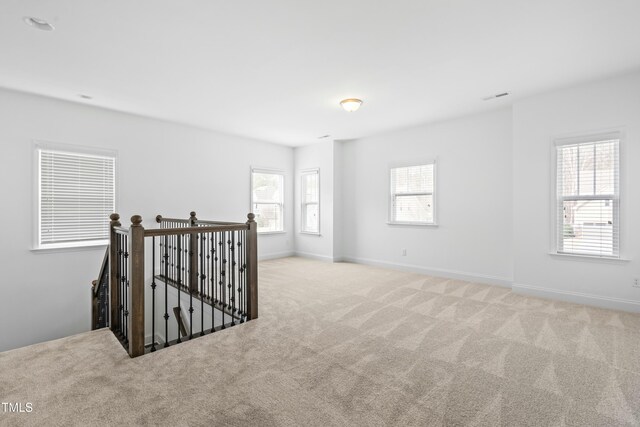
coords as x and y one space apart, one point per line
160 219
103 267
207 222
193 230
120 230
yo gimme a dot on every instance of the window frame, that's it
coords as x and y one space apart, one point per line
304 203
558 200
270 171
391 195
37 147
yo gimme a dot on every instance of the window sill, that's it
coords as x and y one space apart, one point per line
69 247
588 258
413 224
310 233
267 233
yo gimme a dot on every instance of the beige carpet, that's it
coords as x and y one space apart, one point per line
343 344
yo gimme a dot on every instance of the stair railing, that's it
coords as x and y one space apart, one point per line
100 295
211 262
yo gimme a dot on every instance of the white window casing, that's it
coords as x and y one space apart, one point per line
412 198
310 206
267 199
588 196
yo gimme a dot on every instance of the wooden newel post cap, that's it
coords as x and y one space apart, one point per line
136 220
193 214
115 219
158 218
251 217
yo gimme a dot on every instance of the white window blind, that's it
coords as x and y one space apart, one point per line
76 197
413 194
267 195
310 215
588 198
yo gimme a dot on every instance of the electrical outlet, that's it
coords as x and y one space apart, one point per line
404 252
636 283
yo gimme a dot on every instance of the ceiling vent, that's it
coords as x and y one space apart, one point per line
497 95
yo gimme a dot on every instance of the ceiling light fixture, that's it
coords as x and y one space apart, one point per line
38 23
351 104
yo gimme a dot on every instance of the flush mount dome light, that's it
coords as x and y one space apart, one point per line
351 104
38 23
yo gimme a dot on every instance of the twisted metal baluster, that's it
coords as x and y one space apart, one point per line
203 278
126 292
239 288
232 282
179 283
166 292
214 260
223 275
190 256
153 294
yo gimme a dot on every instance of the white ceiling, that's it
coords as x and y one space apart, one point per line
276 70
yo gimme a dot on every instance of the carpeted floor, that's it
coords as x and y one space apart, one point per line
344 344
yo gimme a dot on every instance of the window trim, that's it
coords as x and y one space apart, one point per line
390 210
36 147
555 197
303 172
282 203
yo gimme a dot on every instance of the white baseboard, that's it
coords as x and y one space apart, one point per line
449 274
578 298
314 256
276 255
537 291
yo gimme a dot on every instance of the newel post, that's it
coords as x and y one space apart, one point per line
252 267
136 288
193 256
114 319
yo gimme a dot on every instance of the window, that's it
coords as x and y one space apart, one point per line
76 195
267 194
310 215
413 194
588 199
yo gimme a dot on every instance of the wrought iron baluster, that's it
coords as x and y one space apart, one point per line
166 291
153 294
203 278
190 257
118 282
179 284
241 307
232 282
126 291
223 276
212 274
